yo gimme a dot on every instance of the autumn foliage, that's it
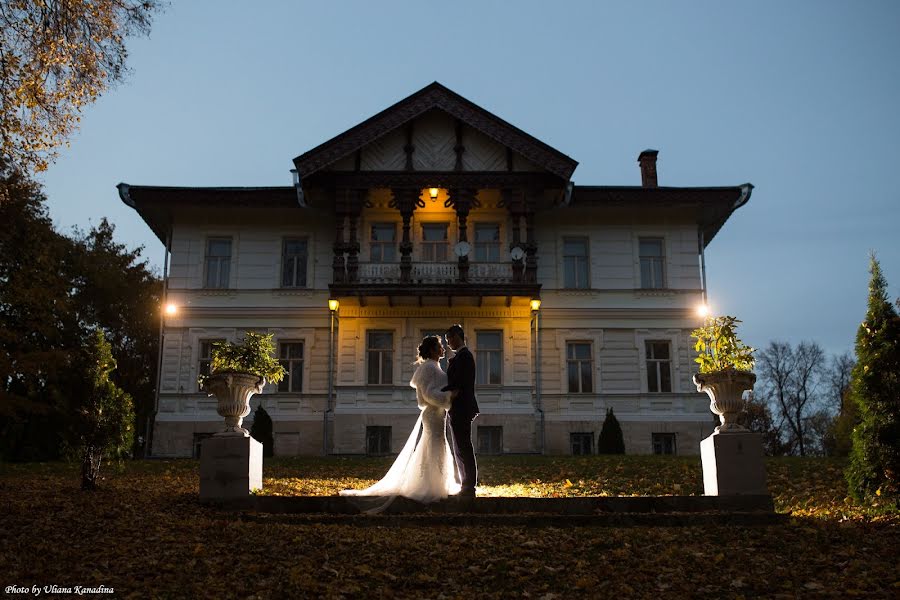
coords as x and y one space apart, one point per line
146 535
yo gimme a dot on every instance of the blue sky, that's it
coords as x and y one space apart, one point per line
798 98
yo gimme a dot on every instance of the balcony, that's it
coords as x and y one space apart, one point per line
435 273
436 279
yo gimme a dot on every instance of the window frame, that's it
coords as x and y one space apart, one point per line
489 430
383 244
659 439
205 358
488 352
285 256
220 262
487 246
384 436
654 363
580 362
382 363
288 369
587 263
583 436
428 249
652 259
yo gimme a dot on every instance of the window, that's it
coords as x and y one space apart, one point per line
205 358
653 274
487 242
380 351
580 366
440 334
384 242
290 355
293 263
434 242
659 367
663 443
490 440
488 357
378 440
198 443
575 263
218 262
582 443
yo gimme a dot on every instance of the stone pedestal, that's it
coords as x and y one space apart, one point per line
733 464
230 467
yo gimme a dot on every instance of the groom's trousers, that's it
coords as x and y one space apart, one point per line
463 452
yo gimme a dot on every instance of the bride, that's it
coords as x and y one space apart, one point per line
424 470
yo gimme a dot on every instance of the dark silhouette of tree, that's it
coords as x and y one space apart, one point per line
611 440
874 469
261 430
790 379
54 291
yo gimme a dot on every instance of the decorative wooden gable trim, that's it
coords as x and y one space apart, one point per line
430 97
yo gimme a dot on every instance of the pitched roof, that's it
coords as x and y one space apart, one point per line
156 203
713 204
430 97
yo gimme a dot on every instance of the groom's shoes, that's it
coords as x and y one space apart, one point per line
465 493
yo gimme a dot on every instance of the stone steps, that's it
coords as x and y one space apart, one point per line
610 511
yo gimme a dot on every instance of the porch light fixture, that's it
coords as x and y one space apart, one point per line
433 192
171 309
333 304
535 304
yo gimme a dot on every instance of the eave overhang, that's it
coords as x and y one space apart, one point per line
711 205
157 204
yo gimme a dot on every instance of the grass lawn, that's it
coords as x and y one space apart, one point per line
144 534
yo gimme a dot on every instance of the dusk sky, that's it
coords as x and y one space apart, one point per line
801 99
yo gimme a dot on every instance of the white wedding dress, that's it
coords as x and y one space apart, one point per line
423 471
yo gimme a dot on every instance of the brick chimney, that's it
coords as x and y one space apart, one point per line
647 160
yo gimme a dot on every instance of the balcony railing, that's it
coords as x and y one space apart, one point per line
436 273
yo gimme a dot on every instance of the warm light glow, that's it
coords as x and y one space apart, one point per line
433 192
703 310
333 304
535 304
171 309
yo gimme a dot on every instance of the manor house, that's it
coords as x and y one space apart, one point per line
574 298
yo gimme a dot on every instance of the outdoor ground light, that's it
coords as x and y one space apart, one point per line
703 310
333 304
535 304
171 309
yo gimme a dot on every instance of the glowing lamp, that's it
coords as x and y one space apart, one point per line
171 309
333 304
433 192
703 310
535 304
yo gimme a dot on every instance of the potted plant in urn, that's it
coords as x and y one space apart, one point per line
726 369
237 371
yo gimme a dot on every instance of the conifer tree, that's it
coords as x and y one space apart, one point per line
261 430
874 471
611 440
103 419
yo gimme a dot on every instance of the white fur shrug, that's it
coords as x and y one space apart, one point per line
428 380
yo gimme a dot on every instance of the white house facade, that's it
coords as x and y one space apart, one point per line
430 213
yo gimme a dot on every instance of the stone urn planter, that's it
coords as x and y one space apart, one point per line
725 389
233 391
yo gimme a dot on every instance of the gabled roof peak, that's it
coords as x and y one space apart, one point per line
435 95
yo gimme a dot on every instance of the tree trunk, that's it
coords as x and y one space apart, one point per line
90 468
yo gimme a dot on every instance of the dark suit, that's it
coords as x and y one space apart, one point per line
461 376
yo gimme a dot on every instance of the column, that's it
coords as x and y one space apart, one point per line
463 201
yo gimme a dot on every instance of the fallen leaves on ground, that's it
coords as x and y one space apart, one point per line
145 534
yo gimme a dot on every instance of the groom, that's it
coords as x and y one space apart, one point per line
461 377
